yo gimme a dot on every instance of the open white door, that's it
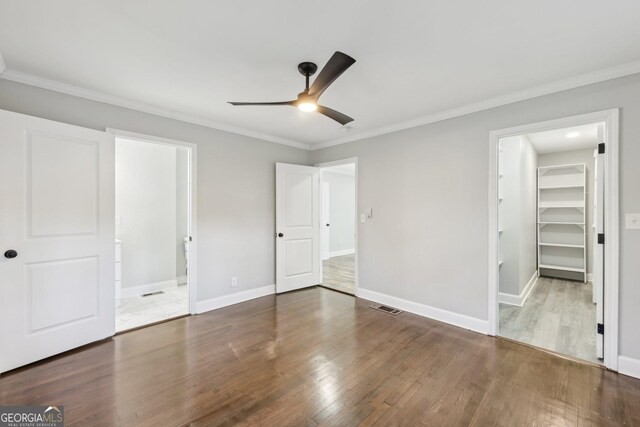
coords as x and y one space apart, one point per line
56 238
326 220
297 227
598 250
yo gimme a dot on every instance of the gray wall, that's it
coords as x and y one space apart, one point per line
528 214
146 206
428 187
182 210
342 206
578 156
236 183
517 214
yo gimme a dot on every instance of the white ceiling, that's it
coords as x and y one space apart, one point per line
414 59
557 140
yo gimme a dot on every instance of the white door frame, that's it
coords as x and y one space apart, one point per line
192 264
351 160
611 227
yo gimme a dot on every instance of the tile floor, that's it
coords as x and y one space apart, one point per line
137 311
559 315
339 273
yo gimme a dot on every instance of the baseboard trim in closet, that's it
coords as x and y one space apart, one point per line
519 300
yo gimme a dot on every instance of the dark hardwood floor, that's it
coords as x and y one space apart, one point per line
318 357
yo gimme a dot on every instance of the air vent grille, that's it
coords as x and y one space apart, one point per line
386 309
148 294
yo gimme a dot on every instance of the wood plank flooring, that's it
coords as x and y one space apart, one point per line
559 315
339 273
318 357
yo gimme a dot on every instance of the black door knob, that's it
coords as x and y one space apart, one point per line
280 235
10 254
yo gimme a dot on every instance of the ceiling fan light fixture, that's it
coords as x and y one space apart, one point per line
307 107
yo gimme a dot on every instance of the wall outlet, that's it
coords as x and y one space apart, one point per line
632 221
234 281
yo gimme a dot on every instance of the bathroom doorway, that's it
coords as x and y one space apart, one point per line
153 236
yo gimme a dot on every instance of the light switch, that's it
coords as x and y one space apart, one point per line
370 213
363 218
633 221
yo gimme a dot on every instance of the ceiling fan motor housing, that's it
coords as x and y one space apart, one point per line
307 68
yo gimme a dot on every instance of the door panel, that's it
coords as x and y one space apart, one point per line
58 214
297 220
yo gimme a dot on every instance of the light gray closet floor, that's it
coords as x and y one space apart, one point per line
559 315
339 273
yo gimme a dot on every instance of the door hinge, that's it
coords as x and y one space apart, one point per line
190 239
600 329
601 148
600 238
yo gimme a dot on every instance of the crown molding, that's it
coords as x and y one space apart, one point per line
546 89
31 80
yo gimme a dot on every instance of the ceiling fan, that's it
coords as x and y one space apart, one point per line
308 99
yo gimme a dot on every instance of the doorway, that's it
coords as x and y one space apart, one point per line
554 182
338 226
152 212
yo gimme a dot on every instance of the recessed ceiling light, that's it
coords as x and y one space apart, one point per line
573 134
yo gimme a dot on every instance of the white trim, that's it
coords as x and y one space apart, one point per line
238 297
629 366
455 319
181 280
546 89
3 65
192 264
611 205
590 277
31 80
149 287
342 252
341 162
519 300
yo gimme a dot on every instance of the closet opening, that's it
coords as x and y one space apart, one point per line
553 202
153 238
338 227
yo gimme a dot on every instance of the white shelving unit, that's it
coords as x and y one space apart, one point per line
562 239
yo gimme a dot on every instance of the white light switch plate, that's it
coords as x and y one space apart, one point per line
632 221
362 218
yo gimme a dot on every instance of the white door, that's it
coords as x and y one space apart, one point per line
598 250
57 214
297 227
326 220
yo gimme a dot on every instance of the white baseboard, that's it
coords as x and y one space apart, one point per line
150 287
519 300
629 366
238 297
456 319
342 252
182 280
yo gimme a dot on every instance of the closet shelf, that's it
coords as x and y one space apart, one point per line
560 223
562 245
557 187
561 204
560 267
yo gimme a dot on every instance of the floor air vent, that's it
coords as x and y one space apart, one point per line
386 309
148 294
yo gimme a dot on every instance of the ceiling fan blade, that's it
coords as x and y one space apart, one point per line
263 103
343 119
337 65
